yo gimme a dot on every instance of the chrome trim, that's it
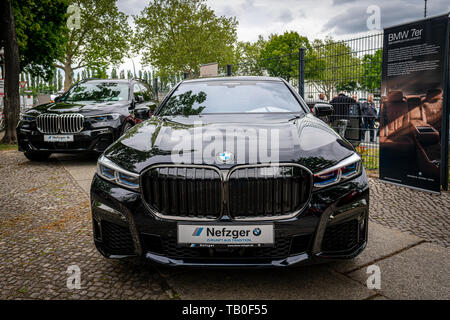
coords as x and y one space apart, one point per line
60 123
224 177
104 161
347 161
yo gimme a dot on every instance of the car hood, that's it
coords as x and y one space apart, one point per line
305 140
85 108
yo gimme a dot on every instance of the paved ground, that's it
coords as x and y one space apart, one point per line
46 227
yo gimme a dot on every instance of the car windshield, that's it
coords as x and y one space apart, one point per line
230 96
98 91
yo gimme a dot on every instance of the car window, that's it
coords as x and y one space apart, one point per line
231 96
137 91
147 92
98 91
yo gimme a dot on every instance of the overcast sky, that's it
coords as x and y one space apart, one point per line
341 19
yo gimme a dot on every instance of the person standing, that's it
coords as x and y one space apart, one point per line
369 115
322 98
341 112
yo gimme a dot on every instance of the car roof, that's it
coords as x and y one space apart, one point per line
237 78
109 80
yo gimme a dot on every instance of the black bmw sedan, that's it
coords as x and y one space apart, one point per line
231 172
87 118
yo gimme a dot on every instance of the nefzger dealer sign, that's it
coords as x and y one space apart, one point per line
229 235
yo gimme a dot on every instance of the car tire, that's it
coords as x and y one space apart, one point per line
37 155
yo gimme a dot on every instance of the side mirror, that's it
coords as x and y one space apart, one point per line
323 109
139 99
57 99
142 113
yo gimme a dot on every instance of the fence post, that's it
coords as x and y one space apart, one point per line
155 87
229 70
301 72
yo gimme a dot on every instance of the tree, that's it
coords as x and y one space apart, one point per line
180 35
100 39
371 71
247 57
114 73
279 56
30 32
334 67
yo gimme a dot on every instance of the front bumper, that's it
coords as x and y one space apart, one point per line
332 227
95 140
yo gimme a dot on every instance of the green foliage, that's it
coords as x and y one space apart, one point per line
279 56
114 73
40 27
180 35
99 71
371 73
247 56
333 67
101 39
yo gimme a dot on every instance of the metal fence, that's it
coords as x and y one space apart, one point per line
345 74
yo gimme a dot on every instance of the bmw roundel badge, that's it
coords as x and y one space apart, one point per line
257 231
225 157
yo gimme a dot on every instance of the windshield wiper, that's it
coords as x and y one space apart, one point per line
296 117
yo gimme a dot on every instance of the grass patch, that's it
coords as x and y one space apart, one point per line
4 147
370 157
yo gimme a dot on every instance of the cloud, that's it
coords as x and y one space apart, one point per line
353 18
285 16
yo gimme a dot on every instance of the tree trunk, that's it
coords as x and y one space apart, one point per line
68 76
12 70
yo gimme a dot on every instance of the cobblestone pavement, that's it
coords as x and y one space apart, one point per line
46 227
422 214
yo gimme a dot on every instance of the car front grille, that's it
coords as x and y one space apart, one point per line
187 192
258 192
60 123
253 192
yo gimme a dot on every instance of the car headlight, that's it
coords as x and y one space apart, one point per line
108 170
25 117
346 169
104 117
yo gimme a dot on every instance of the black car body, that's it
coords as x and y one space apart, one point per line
311 205
87 118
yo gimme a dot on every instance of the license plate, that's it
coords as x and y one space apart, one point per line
58 138
206 235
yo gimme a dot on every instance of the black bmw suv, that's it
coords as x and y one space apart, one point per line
90 116
232 171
